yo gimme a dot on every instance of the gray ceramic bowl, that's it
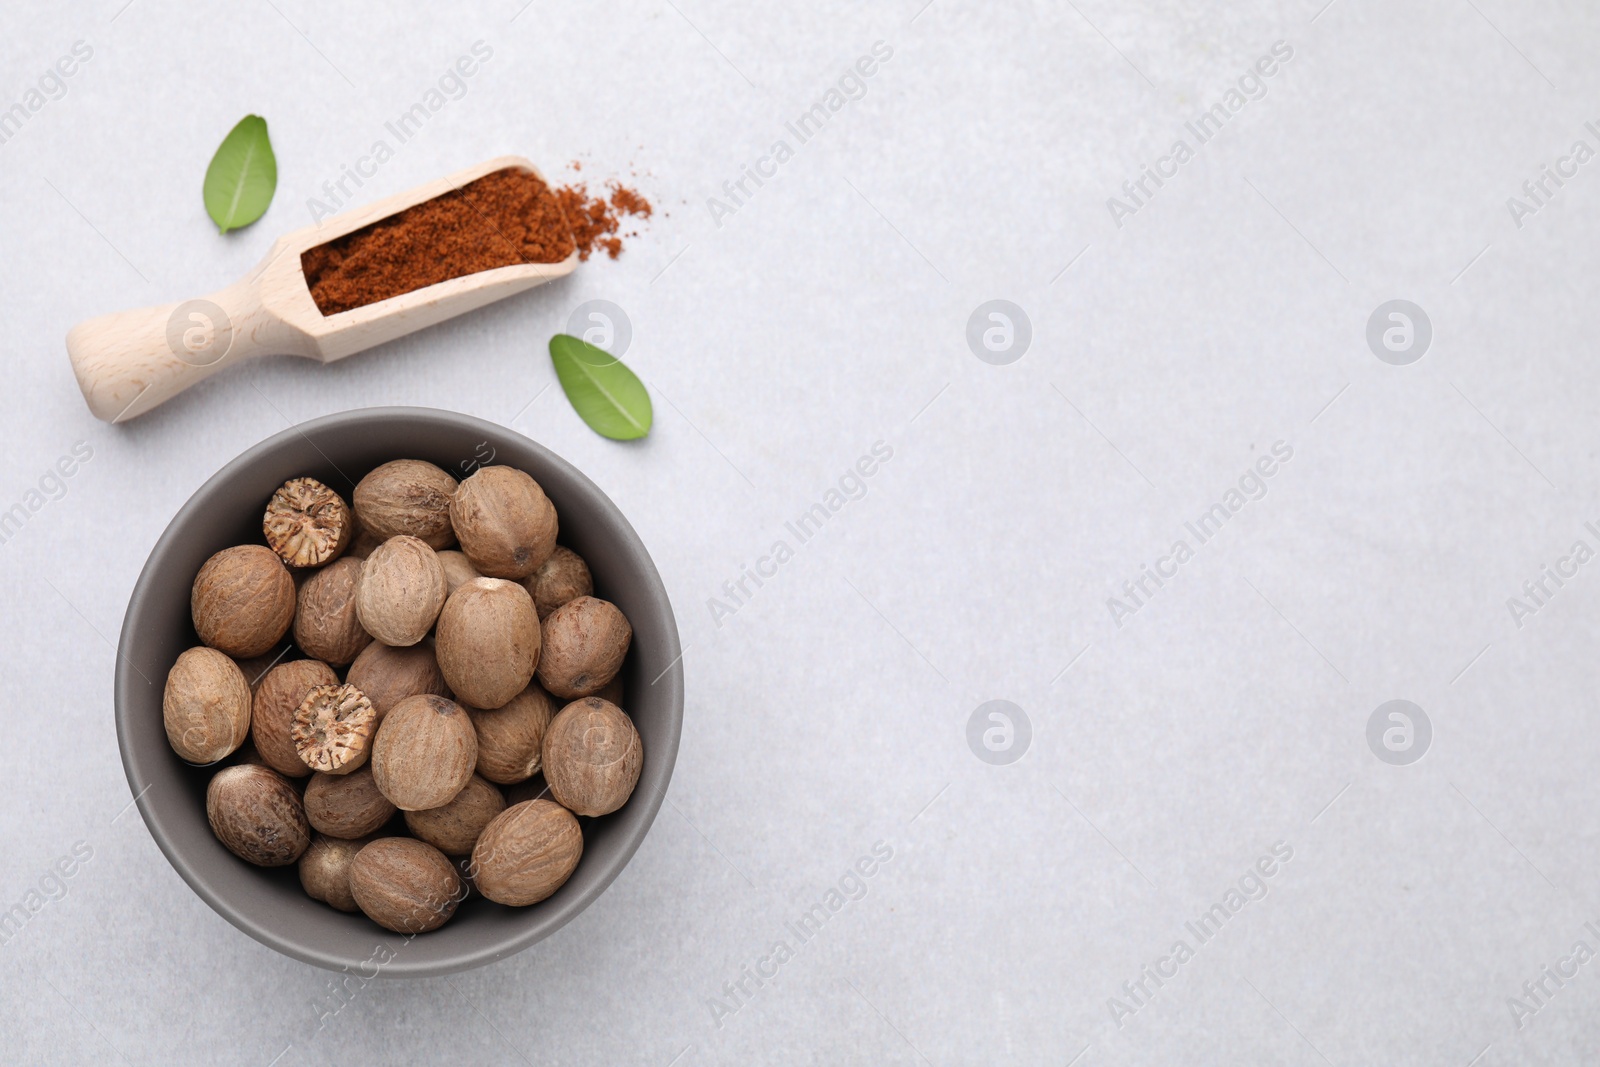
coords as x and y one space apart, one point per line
269 905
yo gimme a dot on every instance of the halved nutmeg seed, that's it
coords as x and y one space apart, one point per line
307 524
333 729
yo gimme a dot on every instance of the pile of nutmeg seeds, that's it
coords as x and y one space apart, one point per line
426 679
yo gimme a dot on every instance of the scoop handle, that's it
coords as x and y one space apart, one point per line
130 361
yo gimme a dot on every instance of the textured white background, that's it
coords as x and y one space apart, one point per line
830 712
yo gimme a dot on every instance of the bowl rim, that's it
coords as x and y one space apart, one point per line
650 791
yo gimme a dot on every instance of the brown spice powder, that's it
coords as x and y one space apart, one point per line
502 219
630 202
595 220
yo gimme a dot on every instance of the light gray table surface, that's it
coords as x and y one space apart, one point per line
1172 741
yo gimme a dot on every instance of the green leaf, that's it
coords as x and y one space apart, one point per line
605 394
242 177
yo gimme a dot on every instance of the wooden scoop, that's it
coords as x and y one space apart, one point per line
131 361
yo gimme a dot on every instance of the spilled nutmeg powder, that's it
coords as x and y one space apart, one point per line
596 220
503 219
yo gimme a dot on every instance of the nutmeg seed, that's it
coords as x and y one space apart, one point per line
307 524
206 695
527 853
454 828
488 641
257 815
585 641
592 757
458 569
364 542
424 753
506 524
511 738
404 885
562 577
389 675
325 870
346 805
255 668
333 729
326 624
407 496
277 698
402 589
243 601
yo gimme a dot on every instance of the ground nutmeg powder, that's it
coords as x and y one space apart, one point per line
505 218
